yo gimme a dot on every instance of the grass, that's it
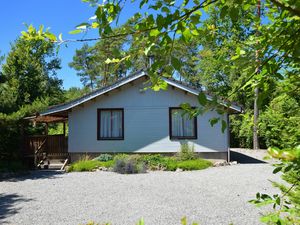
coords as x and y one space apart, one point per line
151 162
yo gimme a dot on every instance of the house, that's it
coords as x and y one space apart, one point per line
127 118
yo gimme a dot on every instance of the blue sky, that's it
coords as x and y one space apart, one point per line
60 15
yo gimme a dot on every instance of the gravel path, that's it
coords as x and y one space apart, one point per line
213 196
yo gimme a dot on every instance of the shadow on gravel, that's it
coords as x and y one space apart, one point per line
243 159
35 175
8 205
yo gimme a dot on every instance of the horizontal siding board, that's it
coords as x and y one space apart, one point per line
146 123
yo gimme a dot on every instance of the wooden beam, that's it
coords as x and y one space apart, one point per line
46 128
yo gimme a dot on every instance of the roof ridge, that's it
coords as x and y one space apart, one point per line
99 89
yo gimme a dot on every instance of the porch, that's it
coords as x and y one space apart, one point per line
46 151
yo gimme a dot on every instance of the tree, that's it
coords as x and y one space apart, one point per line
96 64
29 72
84 62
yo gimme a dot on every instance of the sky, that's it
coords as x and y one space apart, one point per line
61 16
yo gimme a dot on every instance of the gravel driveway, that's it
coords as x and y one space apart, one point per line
213 196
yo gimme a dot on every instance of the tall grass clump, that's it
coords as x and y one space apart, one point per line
186 152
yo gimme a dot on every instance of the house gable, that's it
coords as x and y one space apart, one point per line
125 81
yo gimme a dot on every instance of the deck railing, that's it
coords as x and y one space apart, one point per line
49 144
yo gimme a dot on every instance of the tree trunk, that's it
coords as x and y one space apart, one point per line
256 90
255 120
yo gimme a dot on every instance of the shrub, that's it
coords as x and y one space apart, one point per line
187 152
104 157
11 166
195 164
154 161
170 164
129 166
120 156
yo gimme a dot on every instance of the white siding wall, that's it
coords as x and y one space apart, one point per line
146 123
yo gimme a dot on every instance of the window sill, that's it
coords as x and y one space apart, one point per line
183 138
110 139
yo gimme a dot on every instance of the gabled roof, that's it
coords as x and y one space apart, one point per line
188 88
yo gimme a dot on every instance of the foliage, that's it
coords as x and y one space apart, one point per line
187 152
10 129
157 161
74 93
280 123
287 204
138 163
154 161
104 157
11 166
195 164
28 85
129 166
30 73
89 165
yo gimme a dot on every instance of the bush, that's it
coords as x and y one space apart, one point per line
89 165
129 166
11 166
280 123
187 152
154 161
196 164
104 158
120 156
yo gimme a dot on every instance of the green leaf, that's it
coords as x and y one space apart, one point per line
141 222
258 195
187 34
75 31
213 121
50 36
223 12
95 25
154 33
176 63
184 221
234 14
224 125
277 169
82 26
202 99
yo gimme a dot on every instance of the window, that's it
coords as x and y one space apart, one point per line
181 125
110 124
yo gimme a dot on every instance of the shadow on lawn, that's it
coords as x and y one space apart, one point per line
34 175
243 158
8 206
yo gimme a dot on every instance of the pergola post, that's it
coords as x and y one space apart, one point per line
64 128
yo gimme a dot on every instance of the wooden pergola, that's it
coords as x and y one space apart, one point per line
43 147
48 119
